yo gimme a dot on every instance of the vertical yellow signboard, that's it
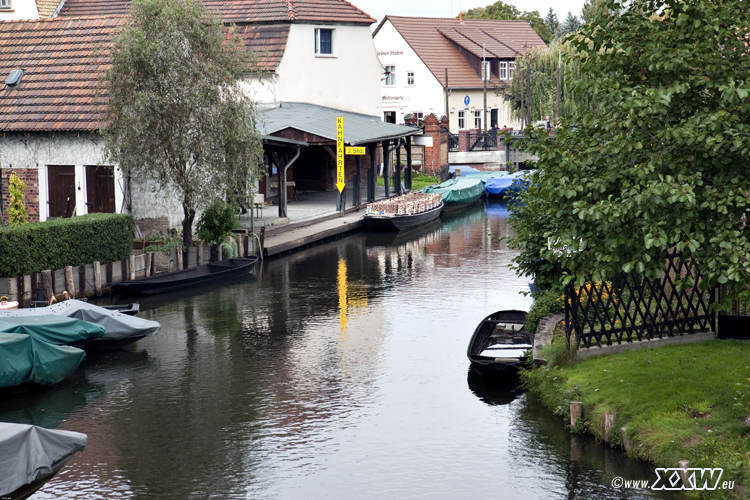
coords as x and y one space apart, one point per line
340 153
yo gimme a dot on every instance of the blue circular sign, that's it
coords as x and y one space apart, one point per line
466 100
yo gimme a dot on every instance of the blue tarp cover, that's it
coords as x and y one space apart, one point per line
501 185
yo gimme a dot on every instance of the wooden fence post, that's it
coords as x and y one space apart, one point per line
70 285
200 253
98 279
180 260
149 258
131 266
49 292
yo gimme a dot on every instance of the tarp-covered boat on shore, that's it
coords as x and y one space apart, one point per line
458 193
119 329
30 456
499 343
507 185
223 269
403 212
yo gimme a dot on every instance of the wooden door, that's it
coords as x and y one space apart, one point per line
100 189
61 190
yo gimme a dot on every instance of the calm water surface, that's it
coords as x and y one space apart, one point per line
338 372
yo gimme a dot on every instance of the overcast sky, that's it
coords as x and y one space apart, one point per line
449 8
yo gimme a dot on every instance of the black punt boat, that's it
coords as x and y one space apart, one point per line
129 309
222 269
499 343
386 222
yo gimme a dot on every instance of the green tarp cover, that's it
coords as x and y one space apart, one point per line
57 330
24 358
458 191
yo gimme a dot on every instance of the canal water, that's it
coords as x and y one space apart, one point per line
337 372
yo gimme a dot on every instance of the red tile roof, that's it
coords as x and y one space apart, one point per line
242 11
435 39
62 60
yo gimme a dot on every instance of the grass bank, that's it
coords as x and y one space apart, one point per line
418 180
685 402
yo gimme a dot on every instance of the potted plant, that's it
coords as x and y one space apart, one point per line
4 300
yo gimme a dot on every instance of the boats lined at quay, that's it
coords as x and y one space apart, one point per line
403 212
458 193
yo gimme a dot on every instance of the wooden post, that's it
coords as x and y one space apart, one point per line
81 281
98 278
200 253
262 239
180 259
397 170
240 246
69 283
131 266
407 172
576 410
149 258
49 292
110 272
387 167
608 423
20 288
152 270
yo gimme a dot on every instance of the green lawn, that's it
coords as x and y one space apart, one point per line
677 403
418 180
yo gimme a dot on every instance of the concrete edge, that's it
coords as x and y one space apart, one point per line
689 338
313 238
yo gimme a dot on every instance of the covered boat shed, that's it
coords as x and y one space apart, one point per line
299 140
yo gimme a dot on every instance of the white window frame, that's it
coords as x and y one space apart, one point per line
461 119
390 75
318 52
409 78
420 117
6 5
486 71
478 118
511 68
503 70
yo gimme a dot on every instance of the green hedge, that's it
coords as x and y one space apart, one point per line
54 244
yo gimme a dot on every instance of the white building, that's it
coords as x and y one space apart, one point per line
418 52
28 9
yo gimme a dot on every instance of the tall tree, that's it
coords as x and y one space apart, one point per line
500 10
176 113
551 21
662 162
591 9
570 25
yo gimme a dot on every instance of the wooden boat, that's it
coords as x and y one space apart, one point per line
30 456
404 212
129 309
499 343
385 222
458 194
175 280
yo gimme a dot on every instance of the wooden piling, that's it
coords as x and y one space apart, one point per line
179 258
608 423
200 253
149 258
49 291
70 285
131 266
98 279
576 410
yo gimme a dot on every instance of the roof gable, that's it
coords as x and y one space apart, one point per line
242 11
440 42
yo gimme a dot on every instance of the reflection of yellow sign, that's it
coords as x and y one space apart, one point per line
342 285
340 153
355 151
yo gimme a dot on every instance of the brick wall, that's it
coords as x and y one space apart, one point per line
31 194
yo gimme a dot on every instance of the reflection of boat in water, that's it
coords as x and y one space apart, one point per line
499 343
175 280
494 390
30 456
391 238
496 209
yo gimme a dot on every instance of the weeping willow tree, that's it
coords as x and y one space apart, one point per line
533 91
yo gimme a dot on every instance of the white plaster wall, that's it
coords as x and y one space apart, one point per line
150 202
476 100
20 9
259 90
425 96
348 80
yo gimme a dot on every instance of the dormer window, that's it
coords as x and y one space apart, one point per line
6 5
323 41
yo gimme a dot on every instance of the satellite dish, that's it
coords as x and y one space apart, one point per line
14 77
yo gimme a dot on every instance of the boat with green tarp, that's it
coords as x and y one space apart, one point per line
458 193
56 330
24 359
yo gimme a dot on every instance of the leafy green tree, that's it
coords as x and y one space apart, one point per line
661 163
591 9
551 21
177 115
16 210
500 10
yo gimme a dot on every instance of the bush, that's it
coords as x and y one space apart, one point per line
54 244
16 210
217 222
545 302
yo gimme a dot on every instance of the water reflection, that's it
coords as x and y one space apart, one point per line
336 372
497 390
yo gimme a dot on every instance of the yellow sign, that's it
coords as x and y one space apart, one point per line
355 151
340 183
